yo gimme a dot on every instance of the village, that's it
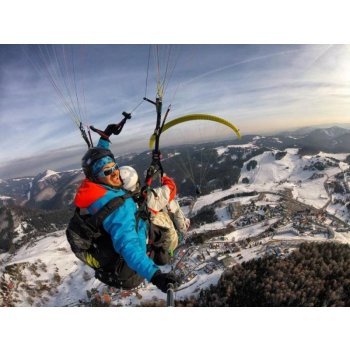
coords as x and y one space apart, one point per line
275 228
254 224
243 226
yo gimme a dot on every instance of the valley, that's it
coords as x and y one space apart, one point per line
279 200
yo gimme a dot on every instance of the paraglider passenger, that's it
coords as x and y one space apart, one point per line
126 260
165 212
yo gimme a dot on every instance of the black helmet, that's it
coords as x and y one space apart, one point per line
91 157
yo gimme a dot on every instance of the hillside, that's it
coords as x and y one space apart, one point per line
313 275
258 201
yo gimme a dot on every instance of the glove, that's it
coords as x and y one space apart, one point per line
126 115
112 129
153 168
161 280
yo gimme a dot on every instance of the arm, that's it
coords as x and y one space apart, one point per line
158 198
110 129
180 221
131 245
103 143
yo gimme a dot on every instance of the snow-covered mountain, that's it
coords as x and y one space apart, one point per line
47 190
258 199
215 165
6 201
280 200
53 190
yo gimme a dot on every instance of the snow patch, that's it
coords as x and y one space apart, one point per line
48 173
20 231
221 150
5 197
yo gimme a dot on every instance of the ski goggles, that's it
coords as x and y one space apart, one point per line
108 171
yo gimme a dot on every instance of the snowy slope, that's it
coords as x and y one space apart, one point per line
292 173
270 171
47 273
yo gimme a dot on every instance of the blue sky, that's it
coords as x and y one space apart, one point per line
259 88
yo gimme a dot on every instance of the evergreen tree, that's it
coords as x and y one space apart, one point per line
317 274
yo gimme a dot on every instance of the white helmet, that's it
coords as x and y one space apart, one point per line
129 177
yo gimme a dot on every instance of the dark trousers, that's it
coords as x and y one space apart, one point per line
120 275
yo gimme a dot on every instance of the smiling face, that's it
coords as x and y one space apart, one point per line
113 178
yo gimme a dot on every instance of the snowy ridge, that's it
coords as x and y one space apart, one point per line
5 197
221 150
48 173
21 179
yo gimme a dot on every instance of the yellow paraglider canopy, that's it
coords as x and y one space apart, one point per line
189 117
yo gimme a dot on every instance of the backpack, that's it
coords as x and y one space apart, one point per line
93 245
88 239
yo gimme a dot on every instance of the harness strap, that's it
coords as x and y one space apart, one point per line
96 220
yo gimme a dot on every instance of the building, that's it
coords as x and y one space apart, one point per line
228 261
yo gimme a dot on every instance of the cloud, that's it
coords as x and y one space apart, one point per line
253 86
61 159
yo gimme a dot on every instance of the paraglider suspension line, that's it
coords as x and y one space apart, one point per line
84 136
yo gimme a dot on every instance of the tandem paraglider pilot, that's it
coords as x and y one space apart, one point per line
107 231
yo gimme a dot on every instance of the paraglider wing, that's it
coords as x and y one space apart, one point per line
189 117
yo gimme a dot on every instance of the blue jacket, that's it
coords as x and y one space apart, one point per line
129 238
